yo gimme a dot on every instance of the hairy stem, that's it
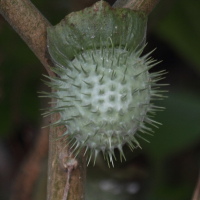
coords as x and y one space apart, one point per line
143 5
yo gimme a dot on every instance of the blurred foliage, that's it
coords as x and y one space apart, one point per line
20 73
180 28
165 169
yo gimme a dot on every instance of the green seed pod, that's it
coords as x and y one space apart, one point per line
103 88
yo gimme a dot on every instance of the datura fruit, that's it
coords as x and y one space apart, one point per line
103 87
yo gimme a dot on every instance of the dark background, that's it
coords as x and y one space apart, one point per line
165 169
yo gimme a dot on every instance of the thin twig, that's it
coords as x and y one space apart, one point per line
66 190
69 165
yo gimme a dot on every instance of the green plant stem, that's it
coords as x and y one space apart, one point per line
143 5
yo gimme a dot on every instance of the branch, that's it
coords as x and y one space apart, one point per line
143 5
30 25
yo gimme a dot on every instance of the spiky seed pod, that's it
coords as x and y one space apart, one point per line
103 88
